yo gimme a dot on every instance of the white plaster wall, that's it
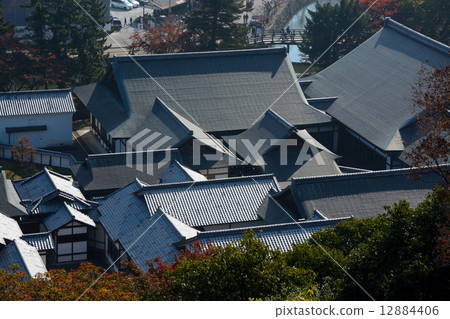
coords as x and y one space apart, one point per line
58 133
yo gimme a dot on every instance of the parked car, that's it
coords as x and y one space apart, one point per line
143 2
134 3
116 24
121 4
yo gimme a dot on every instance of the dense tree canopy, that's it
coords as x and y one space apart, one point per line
21 64
215 26
72 35
326 24
400 255
396 256
431 105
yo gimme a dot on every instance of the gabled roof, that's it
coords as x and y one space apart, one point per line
179 173
109 172
125 218
52 201
272 212
261 145
9 200
281 236
24 255
360 195
157 237
41 241
218 91
373 83
9 229
211 202
36 102
32 188
64 215
122 211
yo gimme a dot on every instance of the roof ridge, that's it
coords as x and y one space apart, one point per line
277 226
174 115
15 241
168 217
211 181
379 173
280 119
35 234
133 152
414 35
35 91
187 55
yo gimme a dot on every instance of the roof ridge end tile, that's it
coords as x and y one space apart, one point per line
419 37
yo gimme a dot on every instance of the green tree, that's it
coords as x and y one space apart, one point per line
62 29
326 24
399 255
241 272
215 26
430 17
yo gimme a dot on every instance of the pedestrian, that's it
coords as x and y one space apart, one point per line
125 19
131 20
288 30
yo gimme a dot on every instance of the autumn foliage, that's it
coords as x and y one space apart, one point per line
380 10
431 104
23 151
168 38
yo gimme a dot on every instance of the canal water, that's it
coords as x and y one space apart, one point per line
298 22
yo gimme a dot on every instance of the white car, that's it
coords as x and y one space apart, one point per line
121 4
134 3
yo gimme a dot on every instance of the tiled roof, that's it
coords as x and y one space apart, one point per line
218 91
36 102
267 134
360 194
179 173
211 202
281 236
109 172
41 241
9 200
125 218
51 202
373 83
65 215
158 236
9 229
32 188
24 255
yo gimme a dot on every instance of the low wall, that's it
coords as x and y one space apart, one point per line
43 157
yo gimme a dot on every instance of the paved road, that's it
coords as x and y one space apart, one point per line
120 40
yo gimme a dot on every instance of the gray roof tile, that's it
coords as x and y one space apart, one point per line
360 195
281 236
36 102
373 83
211 202
65 215
125 218
24 255
33 188
272 129
179 173
222 91
9 229
41 241
9 200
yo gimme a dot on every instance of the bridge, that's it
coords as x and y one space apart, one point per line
262 38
